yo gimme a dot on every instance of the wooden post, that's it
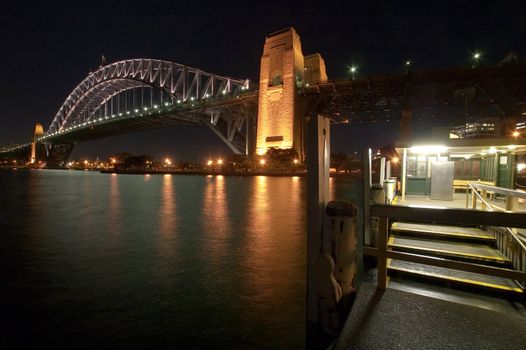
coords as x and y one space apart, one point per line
404 173
318 162
382 170
383 229
512 203
366 196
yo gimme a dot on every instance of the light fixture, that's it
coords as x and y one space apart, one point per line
426 149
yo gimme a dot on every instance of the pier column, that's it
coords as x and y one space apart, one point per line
404 173
318 162
35 154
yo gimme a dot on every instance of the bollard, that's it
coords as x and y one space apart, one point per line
339 240
377 197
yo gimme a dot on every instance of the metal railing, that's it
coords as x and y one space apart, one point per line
509 242
387 212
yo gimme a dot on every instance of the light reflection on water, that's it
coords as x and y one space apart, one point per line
154 261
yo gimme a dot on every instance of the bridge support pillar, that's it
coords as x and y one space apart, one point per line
318 160
58 154
35 152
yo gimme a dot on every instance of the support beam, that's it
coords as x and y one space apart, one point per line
382 171
404 174
367 183
318 161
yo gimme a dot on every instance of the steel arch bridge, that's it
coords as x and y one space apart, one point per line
139 94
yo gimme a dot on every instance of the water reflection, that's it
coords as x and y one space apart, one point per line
216 222
167 214
275 248
114 203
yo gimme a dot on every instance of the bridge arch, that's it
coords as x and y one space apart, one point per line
177 81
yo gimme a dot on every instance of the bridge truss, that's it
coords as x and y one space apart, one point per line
139 94
454 95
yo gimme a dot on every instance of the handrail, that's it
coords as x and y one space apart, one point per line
500 190
385 212
480 196
450 215
490 207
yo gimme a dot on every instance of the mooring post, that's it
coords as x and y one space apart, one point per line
318 162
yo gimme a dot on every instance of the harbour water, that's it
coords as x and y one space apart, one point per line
137 261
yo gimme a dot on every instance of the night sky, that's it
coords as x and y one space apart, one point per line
48 47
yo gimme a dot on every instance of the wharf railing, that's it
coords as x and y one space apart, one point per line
509 240
388 212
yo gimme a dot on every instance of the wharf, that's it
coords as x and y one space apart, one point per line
395 319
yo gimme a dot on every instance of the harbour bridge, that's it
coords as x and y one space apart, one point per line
139 94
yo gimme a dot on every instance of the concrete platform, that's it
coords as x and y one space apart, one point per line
396 319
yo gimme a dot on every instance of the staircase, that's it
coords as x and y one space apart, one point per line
467 244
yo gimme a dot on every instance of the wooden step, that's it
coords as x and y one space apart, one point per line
456 233
469 279
471 252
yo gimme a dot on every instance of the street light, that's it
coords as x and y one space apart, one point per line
220 161
168 162
262 161
209 162
295 161
353 70
477 56
516 133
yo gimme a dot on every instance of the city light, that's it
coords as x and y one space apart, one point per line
209 162
353 70
295 161
167 161
220 161
516 133
408 62
395 160
262 161
476 58
113 161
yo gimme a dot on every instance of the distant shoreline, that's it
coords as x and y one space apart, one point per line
188 172
224 173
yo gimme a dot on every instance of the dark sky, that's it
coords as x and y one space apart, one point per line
48 47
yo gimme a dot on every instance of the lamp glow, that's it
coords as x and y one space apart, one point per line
428 149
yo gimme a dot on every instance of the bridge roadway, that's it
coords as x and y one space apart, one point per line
453 95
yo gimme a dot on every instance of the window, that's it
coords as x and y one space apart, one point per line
416 166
